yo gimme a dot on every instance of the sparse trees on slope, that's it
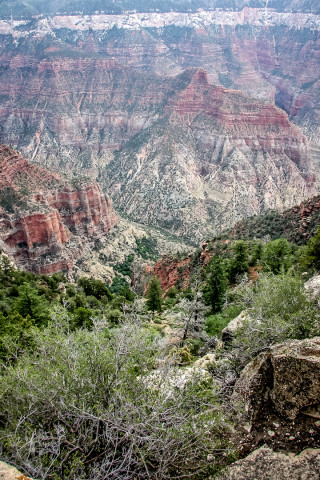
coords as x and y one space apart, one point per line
216 284
154 295
277 256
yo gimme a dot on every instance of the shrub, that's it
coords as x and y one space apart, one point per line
216 323
91 406
278 310
277 256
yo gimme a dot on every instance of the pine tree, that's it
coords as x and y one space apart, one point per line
216 284
277 256
240 262
154 295
311 257
30 303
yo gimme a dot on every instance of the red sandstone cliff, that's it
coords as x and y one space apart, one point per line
217 157
44 220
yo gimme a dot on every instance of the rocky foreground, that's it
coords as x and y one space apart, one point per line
281 392
7 472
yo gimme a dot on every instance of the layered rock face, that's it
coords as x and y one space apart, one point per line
44 220
86 93
217 156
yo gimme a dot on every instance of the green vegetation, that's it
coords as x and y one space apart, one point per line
125 267
89 403
216 284
216 323
310 258
147 247
277 256
239 264
277 309
154 296
88 379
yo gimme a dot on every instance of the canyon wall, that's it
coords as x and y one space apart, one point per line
120 98
45 220
218 156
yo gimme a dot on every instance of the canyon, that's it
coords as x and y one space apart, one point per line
44 219
190 120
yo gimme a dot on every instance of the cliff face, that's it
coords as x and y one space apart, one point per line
119 94
217 157
172 272
44 220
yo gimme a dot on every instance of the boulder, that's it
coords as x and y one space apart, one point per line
7 472
205 361
230 330
312 287
265 464
286 380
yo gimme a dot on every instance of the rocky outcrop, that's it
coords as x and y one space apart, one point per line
85 209
7 472
288 376
265 464
233 326
281 392
172 272
44 220
312 287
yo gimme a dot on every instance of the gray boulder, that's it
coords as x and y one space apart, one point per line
287 378
265 464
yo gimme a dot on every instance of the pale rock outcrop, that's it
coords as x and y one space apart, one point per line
312 287
231 329
265 464
7 472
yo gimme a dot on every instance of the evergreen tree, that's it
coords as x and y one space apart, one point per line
240 262
277 256
311 257
30 303
256 253
154 295
216 284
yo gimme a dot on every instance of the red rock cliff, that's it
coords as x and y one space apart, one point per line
43 219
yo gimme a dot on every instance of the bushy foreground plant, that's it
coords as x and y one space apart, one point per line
84 406
278 309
